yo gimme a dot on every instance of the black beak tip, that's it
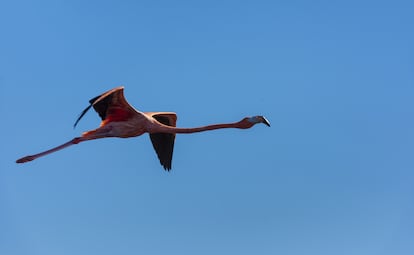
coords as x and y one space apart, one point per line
266 122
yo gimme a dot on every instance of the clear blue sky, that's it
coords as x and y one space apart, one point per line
333 175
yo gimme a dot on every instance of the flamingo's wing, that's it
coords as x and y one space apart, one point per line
163 143
110 104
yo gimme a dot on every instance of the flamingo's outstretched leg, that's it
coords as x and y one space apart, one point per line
75 140
101 132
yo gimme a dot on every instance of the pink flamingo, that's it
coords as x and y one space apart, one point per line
120 119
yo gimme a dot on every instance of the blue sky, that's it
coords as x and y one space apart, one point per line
333 175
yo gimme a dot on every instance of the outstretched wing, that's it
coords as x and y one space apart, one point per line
111 104
163 143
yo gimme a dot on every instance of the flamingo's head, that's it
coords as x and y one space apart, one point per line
251 121
258 119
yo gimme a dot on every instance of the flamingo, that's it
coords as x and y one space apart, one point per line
120 119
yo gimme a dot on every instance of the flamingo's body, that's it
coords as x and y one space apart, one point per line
120 119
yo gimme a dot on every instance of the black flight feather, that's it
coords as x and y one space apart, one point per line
163 143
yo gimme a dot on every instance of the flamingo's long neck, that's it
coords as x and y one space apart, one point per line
176 130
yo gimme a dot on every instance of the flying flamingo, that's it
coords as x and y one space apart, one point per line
120 119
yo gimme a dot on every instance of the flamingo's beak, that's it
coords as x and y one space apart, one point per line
265 121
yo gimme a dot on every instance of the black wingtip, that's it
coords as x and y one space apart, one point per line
81 115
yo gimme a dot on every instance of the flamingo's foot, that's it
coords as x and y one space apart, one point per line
25 159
